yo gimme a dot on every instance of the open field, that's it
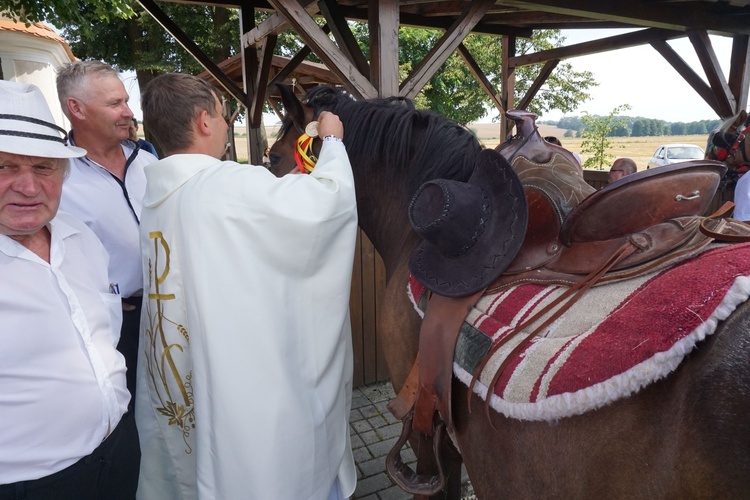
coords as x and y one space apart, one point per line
639 149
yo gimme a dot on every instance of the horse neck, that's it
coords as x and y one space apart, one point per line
382 210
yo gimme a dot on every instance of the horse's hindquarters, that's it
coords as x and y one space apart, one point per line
687 436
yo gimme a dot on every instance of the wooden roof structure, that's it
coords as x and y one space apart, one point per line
656 22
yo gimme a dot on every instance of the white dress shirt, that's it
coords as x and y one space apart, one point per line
742 198
112 210
62 383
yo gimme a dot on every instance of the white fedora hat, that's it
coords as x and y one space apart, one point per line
26 124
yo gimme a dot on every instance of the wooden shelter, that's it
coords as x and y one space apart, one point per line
655 22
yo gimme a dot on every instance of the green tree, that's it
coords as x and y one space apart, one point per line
125 36
453 90
678 128
63 12
142 45
596 133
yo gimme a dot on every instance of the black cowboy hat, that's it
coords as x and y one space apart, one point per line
472 230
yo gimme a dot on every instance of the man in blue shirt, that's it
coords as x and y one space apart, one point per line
143 143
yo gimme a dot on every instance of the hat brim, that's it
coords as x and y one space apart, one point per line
40 148
492 254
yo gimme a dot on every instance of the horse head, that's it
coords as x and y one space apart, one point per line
393 148
727 143
296 118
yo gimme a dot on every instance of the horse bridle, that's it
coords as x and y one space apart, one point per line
723 153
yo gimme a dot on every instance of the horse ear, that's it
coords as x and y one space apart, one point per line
292 106
740 118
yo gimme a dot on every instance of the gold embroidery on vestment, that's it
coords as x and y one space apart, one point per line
165 336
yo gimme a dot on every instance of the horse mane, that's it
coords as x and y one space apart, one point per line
389 133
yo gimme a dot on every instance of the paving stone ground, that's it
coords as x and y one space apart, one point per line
373 432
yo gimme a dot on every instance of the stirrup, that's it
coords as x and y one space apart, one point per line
403 475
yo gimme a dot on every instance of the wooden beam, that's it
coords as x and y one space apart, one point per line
273 25
596 46
262 76
343 35
325 49
508 76
293 63
383 24
739 71
256 134
444 47
712 16
442 23
192 49
547 69
714 75
485 83
690 76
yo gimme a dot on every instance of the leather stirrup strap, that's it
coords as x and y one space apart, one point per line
428 385
724 233
427 389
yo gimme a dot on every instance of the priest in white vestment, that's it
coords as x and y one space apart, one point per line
245 369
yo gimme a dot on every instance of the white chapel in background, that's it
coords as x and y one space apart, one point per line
32 55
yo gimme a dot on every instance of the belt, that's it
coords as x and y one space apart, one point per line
134 301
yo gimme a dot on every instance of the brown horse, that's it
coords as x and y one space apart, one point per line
727 144
685 436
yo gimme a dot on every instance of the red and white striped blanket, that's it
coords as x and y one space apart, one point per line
615 340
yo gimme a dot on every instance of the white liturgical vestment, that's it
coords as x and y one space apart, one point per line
245 369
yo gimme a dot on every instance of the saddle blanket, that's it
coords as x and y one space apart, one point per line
615 340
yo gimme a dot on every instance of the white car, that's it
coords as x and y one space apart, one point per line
675 153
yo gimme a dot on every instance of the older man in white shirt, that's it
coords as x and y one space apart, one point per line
66 432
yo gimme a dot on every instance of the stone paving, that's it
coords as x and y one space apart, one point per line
374 431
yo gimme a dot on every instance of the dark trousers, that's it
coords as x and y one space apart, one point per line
109 473
128 344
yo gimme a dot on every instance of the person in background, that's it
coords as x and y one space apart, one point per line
143 143
106 187
245 379
66 429
742 198
267 158
620 168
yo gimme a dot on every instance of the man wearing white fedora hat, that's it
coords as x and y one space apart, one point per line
106 185
66 430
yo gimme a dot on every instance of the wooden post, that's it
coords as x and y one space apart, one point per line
256 137
509 82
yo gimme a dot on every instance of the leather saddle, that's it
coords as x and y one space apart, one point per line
574 229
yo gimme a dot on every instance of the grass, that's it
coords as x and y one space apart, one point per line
639 149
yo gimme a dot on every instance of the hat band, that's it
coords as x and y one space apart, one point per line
32 135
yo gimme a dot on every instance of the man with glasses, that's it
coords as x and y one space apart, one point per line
106 187
620 168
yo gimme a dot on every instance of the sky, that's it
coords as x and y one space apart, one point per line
637 76
641 77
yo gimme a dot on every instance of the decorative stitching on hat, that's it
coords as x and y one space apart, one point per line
479 231
32 135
